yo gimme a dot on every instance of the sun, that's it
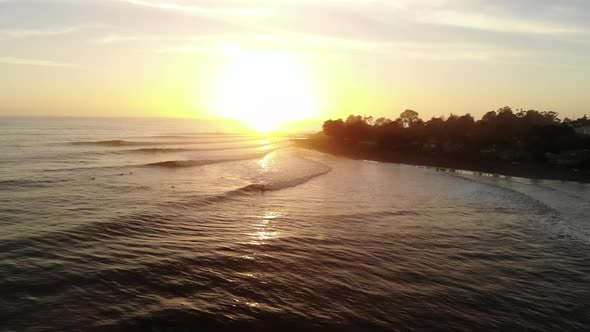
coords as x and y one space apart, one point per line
265 91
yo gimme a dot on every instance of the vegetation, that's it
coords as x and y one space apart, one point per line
509 135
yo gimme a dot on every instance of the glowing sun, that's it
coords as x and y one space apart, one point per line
265 91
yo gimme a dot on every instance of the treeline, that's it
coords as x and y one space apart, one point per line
505 134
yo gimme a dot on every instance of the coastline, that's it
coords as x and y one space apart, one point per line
527 170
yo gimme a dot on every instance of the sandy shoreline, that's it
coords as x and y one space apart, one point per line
504 168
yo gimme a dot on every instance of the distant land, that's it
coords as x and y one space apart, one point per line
530 144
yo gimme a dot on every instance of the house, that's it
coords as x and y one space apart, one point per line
449 147
367 143
503 154
569 158
430 147
584 130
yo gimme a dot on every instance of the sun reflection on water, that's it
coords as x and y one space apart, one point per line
264 228
266 162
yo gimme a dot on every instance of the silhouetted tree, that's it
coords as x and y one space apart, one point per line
409 117
380 122
551 138
334 128
489 117
524 132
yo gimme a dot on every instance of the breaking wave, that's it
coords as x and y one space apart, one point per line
193 163
168 150
261 188
119 142
158 150
188 140
284 184
202 135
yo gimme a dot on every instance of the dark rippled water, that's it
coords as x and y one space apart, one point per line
155 225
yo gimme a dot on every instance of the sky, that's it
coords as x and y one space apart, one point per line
183 58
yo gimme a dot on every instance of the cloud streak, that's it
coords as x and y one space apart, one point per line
309 45
32 62
116 38
495 23
27 33
199 9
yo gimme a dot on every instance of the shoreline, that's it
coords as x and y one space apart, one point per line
527 170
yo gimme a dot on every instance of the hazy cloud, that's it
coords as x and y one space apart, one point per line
199 9
495 23
26 33
32 62
117 38
310 45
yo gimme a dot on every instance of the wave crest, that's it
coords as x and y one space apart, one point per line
183 163
188 140
279 185
166 150
160 150
120 142
193 163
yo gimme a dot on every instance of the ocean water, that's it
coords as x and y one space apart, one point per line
161 225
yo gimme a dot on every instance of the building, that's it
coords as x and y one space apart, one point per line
584 130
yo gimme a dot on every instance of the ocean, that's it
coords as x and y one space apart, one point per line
173 225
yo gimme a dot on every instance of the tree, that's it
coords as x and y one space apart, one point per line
435 129
408 118
381 122
357 128
552 138
354 119
334 128
489 117
551 117
530 134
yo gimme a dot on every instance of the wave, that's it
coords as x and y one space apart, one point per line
27 183
279 185
375 214
202 135
157 150
250 189
167 150
183 163
119 142
193 163
206 134
254 188
562 212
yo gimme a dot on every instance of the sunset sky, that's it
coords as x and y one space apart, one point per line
317 58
